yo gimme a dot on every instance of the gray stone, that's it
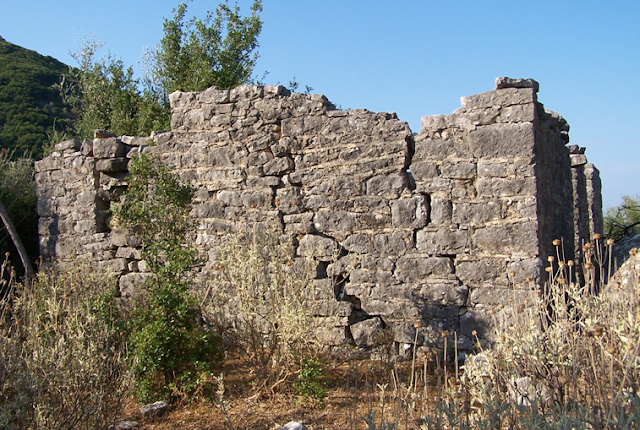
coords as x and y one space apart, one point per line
578 160
101 134
110 165
502 140
442 242
154 409
331 221
294 425
125 425
108 148
317 246
278 166
130 285
367 333
68 145
409 213
358 243
413 268
504 82
476 213
459 171
390 244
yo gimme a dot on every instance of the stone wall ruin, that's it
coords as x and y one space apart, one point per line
441 228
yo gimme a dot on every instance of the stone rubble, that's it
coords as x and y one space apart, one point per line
437 228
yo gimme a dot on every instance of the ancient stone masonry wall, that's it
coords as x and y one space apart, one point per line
436 228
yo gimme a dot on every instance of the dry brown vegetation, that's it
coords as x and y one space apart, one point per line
567 358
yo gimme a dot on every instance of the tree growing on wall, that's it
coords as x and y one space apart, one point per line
220 50
193 55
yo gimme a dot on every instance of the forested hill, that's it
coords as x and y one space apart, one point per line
29 99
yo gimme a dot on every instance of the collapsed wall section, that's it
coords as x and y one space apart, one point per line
433 230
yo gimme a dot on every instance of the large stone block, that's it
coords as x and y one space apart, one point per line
110 165
415 268
391 244
108 148
502 140
442 241
410 213
507 239
386 185
445 293
476 213
312 245
506 187
502 98
367 333
332 221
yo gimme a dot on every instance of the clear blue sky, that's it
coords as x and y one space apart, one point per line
414 57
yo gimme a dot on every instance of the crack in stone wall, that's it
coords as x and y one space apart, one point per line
441 228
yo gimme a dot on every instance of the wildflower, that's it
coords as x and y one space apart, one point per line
550 258
570 263
445 333
597 236
610 242
556 242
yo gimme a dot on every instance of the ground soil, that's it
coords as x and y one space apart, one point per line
354 388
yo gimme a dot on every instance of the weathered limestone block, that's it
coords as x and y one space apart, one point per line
386 185
289 199
334 221
299 223
459 170
502 98
209 209
493 297
130 285
358 243
258 199
410 213
478 272
317 246
445 293
502 140
128 253
71 145
442 241
367 333
108 148
415 268
506 187
117 266
278 166
476 213
507 239
110 165
395 244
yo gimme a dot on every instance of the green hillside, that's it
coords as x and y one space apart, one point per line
29 100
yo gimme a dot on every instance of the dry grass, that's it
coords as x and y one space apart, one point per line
62 362
567 358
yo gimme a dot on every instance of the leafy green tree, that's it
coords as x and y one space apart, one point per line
623 220
193 55
104 92
221 50
171 350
